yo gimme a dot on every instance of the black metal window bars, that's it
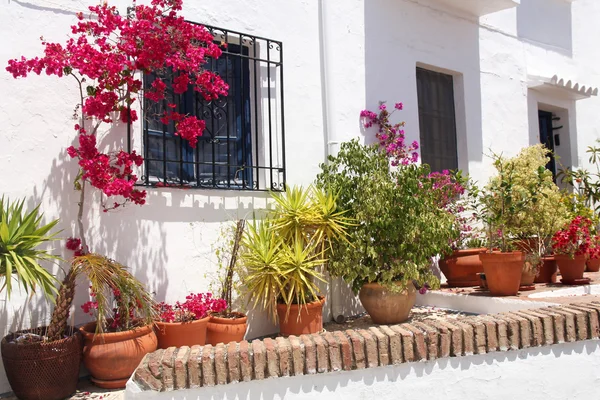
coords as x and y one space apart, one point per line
243 145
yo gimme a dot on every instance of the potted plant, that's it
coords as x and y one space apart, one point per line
398 222
462 266
36 367
227 325
282 255
572 247
184 324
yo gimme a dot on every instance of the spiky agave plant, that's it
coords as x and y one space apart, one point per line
21 234
135 304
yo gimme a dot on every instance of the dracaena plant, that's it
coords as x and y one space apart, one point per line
21 235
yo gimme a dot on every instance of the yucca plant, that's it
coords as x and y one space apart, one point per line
21 234
108 279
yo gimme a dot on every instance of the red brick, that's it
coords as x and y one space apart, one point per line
297 355
395 344
233 362
569 322
581 323
335 354
260 359
358 349
535 326
245 361
383 345
456 337
547 325
272 359
310 352
431 339
371 347
221 364
144 378
181 372
558 322
408 347
444 338
592 319
155 363
284 349
419 341
168 362
322 356
346 349
194 366
480 338
208 366
518 330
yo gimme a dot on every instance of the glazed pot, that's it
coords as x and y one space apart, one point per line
462 268
593 265
178 334
42 371
503 272
112 357
571 269
309 321
226 330
385 306
547 272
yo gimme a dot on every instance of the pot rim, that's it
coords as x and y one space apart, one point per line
205 319
88 332
70 338
474 250
313 304
568 257
241 318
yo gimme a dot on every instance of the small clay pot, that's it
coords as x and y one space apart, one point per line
571 269
548 271
385 306
593 265
301 319
225 330
178 334
503 272
112 357
462 267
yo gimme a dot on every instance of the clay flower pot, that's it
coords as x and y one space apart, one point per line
462 267
571 269
226 330
178 334
503 272
310 321
112 357
385 306
593 265
547 272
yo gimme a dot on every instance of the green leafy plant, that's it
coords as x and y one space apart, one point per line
21 234
282 254
586 183
399 224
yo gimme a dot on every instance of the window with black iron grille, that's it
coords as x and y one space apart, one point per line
243 145
437 120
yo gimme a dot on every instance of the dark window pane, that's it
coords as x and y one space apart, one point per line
437 120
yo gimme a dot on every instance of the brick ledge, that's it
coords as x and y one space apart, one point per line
198 366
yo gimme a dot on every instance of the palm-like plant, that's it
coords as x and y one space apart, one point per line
21 234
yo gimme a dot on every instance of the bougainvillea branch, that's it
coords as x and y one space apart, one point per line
108 55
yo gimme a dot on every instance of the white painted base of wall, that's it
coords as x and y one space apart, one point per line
572 291
476 304
564 371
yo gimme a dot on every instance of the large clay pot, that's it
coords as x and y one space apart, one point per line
385 306
462 268
178 334
547 272
112 357
42 370
225 330
503 272
310 320
593 265
571 269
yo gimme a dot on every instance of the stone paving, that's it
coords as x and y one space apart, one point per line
87 391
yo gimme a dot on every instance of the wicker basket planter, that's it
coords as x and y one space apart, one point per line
42 371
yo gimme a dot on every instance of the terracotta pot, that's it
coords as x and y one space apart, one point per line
310 320
547 272
503 272
593 265
42 370
225 330
462 268
571 269
112 357
178 334
386 307
527 277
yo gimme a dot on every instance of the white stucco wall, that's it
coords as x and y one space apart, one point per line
564 371
361 52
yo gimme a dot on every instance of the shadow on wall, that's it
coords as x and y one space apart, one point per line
547 23
401 35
